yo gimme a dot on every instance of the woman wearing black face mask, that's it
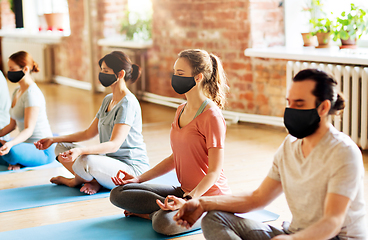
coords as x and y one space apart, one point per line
28 112
119 126
197 141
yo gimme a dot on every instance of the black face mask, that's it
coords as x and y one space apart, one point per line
107 79
301 123
15 76
181 84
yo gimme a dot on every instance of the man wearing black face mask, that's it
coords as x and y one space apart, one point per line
319 169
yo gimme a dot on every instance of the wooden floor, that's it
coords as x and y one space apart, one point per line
248 156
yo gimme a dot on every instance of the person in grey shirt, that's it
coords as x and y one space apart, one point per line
28 113
4 104
319 169
118 124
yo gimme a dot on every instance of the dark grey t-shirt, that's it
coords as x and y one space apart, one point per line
127 111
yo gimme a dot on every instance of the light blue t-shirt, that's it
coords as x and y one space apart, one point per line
127 111
4 102
32 97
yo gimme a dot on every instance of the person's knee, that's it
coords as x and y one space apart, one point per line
163 223
60 148
212 218
118 197
82 168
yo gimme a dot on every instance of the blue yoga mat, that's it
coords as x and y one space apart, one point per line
116 227
50 194
54 164
42 195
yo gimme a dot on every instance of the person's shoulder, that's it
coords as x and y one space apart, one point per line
341 140
343 147
33 88
290 144
214 110
181 106
33 92
130 97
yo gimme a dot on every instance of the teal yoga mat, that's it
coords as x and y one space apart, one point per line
42 195
54 164
50 194
116 227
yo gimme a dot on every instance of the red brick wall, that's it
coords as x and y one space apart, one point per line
225 28
267 23
71 55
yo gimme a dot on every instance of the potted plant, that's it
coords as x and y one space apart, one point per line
136 28
323 28
312 8
55 18
351 26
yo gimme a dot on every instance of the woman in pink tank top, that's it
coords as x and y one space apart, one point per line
197 140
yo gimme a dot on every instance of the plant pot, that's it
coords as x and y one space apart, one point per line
323 40
348 43
309 40
54 21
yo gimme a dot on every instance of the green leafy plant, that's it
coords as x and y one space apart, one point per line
322 25
351 25
11 4
313 8
136 28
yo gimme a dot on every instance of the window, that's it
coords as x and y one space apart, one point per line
46 15
296 21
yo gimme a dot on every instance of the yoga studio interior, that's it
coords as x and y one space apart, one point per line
259 44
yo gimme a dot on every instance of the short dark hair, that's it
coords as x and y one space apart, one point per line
325 88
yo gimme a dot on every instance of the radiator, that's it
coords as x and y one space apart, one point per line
353 83
41 53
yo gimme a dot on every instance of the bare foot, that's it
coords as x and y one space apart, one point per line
14 167
128 214
91 187
60 180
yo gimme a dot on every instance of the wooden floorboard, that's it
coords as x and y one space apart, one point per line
249 150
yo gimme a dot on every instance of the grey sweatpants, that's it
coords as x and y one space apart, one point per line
141 199
218 225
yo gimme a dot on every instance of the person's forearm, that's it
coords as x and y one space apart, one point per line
161 168
235 203
7 129
102 148
205 184
326 228
22 136
74 137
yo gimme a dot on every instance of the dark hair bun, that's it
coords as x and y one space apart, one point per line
35 67
136 72
339 104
